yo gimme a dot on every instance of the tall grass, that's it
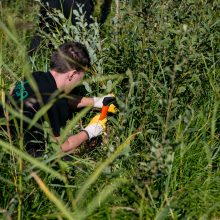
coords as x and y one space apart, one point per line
159 158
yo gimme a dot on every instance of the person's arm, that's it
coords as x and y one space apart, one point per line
80 102
85 101
93 129
74 141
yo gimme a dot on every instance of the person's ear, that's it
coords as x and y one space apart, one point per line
71 74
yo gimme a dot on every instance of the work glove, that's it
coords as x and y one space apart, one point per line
95 127
98 103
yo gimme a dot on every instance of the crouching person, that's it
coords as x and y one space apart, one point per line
68 65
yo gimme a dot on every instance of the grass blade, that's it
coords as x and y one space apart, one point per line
7 147
99 199
102 166
52 197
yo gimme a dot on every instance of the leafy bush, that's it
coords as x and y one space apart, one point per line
161 60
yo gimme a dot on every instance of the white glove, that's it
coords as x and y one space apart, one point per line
98 101
95 127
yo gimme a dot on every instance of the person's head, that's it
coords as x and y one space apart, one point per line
69 63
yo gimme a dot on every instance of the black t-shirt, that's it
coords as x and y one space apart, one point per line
58 113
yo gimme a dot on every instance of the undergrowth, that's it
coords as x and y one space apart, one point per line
159 158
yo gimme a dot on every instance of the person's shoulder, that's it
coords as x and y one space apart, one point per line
40 75
45 81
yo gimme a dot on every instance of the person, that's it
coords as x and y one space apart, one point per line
47 24
68 65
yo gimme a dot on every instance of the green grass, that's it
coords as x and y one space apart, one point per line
159 158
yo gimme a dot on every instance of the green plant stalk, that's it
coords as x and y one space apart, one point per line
166 201
73 122
10 148
21 145
101 167
213 120
57 201
85 212
20 184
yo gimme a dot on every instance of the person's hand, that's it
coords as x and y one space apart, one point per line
112 108
98 103
95 127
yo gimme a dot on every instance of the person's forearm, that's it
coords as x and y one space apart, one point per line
80 102
85 101
74 141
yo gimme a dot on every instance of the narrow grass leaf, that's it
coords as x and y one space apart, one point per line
9 34
40 113
24 118
99 199
57 201
73 122
102 166
7 147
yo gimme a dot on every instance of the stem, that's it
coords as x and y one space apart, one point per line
21 144
20 191
20 175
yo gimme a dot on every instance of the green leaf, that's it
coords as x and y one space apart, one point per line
10 148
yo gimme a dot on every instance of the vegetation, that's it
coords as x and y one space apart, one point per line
160 156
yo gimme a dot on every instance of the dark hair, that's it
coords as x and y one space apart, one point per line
70 56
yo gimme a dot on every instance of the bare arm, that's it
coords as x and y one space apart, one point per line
93 129
85 101
80 102
74 141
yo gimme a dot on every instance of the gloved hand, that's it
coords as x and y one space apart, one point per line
112 108
98 103
95 127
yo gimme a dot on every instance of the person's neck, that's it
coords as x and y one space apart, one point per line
59 79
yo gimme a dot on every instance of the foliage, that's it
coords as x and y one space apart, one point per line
160 155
